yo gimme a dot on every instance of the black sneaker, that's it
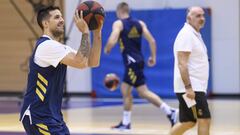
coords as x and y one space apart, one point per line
122 127
173 116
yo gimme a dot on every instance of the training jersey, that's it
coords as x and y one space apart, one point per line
130 41
43 97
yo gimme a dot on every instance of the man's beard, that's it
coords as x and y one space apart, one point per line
57 33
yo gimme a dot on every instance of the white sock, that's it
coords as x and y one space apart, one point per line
166 108
126 117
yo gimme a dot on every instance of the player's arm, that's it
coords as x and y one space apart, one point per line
152 43
80 59
112 40
95 51
183 58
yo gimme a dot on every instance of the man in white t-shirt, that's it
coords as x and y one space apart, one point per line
41 109
191 71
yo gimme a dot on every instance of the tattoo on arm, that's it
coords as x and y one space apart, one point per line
85 45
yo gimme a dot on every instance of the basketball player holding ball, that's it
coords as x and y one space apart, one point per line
129 32
41 109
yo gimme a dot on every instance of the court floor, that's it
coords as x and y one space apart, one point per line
86 116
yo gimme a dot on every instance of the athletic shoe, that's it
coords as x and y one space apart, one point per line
173 117
122 127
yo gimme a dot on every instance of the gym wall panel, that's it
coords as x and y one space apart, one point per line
15 46
226 46
16 43
77 80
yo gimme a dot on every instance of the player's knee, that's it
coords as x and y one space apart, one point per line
127 97
180 128
204 121
189 125
142 94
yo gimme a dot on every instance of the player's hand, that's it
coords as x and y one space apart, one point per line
81 24
151 61
98 31
190 93
100 26
106 50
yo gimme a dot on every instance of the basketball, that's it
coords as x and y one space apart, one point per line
111 81
93 13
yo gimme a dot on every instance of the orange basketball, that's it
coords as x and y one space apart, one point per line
111 81
93 13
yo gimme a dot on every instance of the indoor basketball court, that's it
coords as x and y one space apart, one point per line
91 106
87 116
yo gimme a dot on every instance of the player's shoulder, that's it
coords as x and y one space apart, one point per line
141 22
185 33
118 22
49 45
184 36
187 30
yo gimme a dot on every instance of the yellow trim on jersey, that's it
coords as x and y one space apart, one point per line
134 79
129 71
40 95
42 79
42 126
41 87
132 75
43 132
121 44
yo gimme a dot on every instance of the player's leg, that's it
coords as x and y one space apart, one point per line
125 124
203 113
149 95
186 118
138 79
30 129
181 127
170 112
53 129
126 90
44 129
203 126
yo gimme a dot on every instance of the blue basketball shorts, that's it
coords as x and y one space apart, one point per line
134 75
44 129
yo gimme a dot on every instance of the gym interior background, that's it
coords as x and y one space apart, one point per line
98 108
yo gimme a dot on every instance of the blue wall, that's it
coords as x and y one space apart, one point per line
164 25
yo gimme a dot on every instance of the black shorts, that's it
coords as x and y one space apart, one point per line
201 110
134 75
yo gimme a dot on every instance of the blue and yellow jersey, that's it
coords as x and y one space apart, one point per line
43 97
130 41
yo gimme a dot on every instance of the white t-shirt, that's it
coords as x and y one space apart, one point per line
188 39
51 52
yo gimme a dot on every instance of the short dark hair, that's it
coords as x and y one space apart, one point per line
123 6
44 14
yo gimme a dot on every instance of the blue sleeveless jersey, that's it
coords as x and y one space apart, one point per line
130 40
44 92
